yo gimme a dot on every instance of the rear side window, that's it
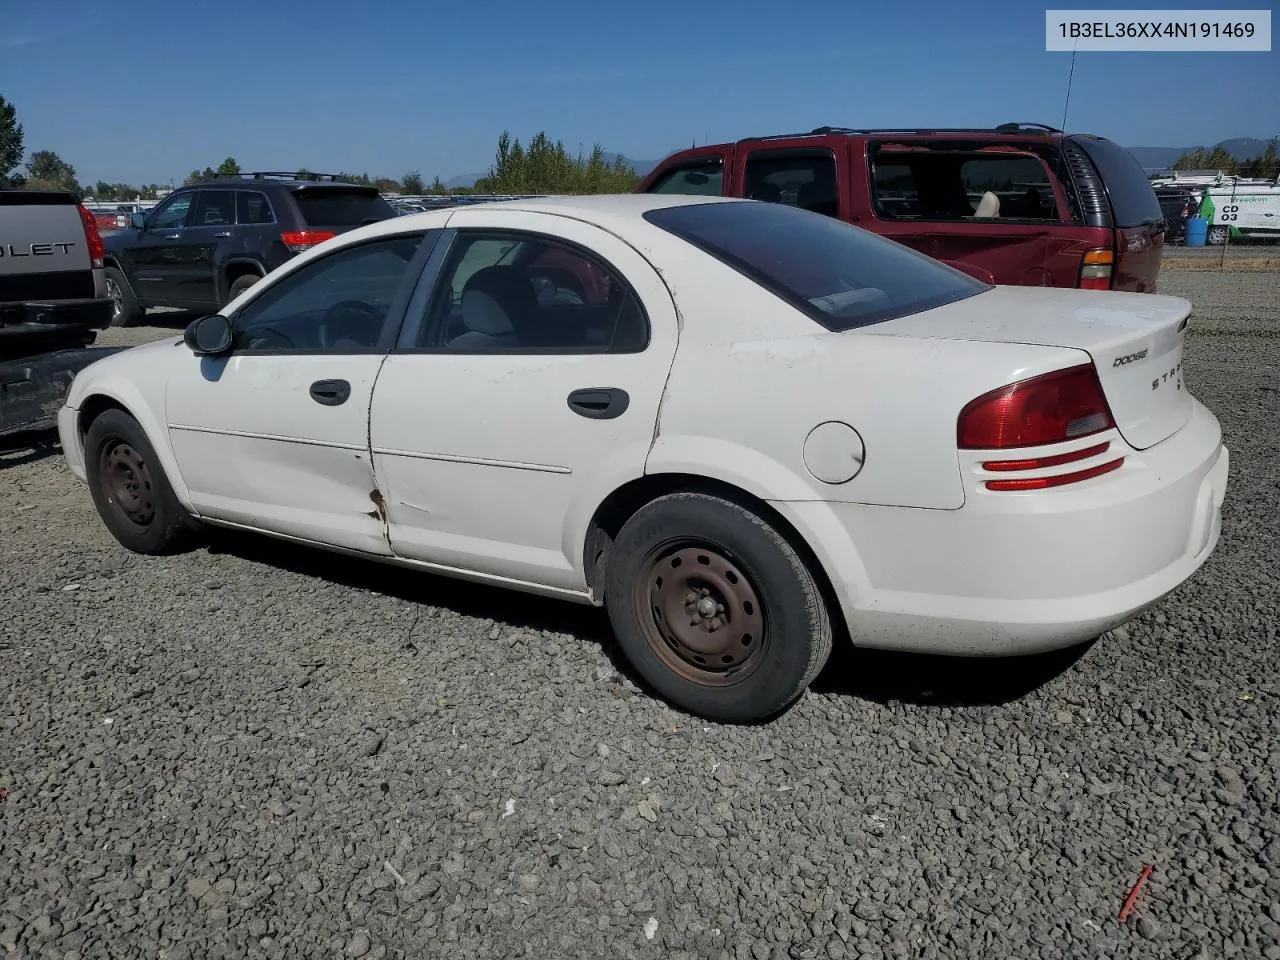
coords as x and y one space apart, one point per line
253 207
962 185
336 207
215 208
799 178
841 276
705 178
1133 201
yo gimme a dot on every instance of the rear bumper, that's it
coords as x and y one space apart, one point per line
1026 573
41 317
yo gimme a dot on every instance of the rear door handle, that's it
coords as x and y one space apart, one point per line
224 234
599 403
331 393
172 236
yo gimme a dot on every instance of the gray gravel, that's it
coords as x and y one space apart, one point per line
259 751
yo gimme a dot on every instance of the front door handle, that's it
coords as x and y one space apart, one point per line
223 235
330 392
172 236
599 403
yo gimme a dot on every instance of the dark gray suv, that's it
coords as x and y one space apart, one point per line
202 245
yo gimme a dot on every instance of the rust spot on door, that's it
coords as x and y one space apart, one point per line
379 513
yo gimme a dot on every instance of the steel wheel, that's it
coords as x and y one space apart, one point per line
701 613
126 482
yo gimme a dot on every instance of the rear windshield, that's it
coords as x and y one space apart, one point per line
336 207
840 275
1133 202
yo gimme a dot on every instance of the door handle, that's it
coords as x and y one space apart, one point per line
172 236
223 235
331 393
599 403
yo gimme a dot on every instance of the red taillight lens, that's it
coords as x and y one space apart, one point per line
1096 269
1058 406
1057 480
299 240
97 252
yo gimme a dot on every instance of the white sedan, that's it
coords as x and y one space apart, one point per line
742 427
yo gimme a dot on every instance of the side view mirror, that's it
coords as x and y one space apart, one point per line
138 221
208 336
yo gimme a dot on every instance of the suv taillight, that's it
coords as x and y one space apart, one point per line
1052 408
1096 269
97 252
299 240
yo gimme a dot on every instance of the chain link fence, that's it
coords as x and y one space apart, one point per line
1240 229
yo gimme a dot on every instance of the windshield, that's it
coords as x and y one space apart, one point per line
841 276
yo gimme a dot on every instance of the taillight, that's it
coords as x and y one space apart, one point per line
97 252
299 240
1063 405
1095 269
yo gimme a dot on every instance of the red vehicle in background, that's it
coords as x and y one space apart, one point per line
1020 204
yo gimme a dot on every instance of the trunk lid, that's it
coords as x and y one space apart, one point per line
1135 341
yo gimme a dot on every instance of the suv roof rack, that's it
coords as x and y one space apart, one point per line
828 130
285 175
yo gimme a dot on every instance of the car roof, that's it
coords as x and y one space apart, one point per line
259 183
608 210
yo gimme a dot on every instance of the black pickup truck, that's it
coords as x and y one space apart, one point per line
53 302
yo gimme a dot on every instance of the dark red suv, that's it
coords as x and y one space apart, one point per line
1020 204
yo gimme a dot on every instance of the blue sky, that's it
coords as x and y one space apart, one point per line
143 90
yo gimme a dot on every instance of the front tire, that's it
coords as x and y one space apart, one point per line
130 489
715 609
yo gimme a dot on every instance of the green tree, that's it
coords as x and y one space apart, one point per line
1214 158
438 187
11 149
546 167
48 171
228 168
412 184
1265 165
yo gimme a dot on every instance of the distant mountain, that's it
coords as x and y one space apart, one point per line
1162 158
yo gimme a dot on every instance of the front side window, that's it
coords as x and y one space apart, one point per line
509 293
702 178
337 303
172 213
838 274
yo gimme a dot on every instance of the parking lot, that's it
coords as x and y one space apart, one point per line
256 750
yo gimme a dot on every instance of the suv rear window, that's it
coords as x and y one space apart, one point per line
336 207
840 275
1133 201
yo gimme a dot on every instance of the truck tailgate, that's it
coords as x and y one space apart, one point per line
43 253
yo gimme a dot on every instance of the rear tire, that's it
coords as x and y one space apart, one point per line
130 489
240 284
715 609
126 312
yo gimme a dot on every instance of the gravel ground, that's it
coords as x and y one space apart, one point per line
261 751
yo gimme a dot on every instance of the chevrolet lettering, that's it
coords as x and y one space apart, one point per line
1129 358
33 249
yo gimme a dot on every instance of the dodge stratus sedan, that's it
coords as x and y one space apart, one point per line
742 427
